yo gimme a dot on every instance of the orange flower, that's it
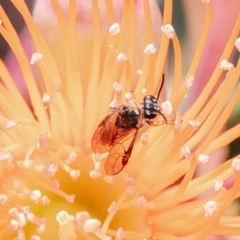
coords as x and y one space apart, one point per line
46 160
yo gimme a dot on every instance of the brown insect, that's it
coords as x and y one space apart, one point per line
118 131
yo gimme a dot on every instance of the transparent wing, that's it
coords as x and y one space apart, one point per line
120 152
104 135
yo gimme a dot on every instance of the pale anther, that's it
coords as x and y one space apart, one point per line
140 201
131 189
30 217
119 234
46 98
55 184
14 224
45 200
21 220
187 152
113 207
121 57
210 207
95 174
189 81
109 179
117 87
10 124
144 138
25 209
13 212
218 184
194 123
130 96
91 225
41 228
52 169
236 164
70 157
203 158
81 218
35 237
42 140
226 65
36 196
74 174
6 157
168 30
3 198
63 218
70 198
149 49
129 180
57 87
35 57
27 163
114 29
237 44
166 108
139 72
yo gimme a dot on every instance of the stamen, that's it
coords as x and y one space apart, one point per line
91 225
66 229
81 218
3 198
113 207
226 65
210 207
35 237
187 152
140 202
10 124
168 30
74 174
117 87
237 44
121 57
194 123
52 168
218 185
144 138
149 49
70 158
166 108
131 189
203 158
36 196
189 81
35 58
236 164
46 98
57 87
119 234
45 200
95 174
115 29
6 158
129 180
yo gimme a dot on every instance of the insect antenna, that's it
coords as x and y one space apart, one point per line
160 89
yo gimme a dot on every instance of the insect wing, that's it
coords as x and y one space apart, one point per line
105 133
120 152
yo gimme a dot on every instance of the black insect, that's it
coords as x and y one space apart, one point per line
118 131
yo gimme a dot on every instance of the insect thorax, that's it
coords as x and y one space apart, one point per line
128 117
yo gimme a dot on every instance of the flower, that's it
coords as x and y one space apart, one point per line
46 190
